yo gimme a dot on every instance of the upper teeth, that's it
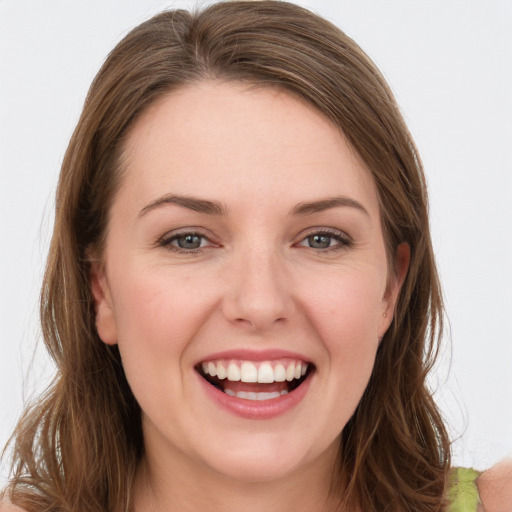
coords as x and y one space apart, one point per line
247 371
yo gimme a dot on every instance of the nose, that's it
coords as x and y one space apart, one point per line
258 295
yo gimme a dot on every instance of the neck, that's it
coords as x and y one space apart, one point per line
161 486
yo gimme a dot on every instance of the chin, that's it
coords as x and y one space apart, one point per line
268 457
256 468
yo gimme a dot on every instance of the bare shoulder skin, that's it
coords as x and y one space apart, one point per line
495 487
7 506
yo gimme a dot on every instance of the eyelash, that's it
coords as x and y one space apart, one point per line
343 241
167 241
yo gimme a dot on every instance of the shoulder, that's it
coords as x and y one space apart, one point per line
495 487
7 506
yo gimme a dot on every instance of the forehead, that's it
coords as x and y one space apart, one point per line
216 138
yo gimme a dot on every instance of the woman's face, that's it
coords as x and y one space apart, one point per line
245 241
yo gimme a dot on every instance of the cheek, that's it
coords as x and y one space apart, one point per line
157 316
347 317
156 307
350 307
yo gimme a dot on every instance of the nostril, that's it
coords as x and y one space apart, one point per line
259 321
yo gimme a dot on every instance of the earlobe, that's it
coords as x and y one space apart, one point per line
103 307
400 267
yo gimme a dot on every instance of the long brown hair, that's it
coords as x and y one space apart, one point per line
77 447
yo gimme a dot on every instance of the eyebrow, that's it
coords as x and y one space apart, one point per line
217 208
192 203
325 204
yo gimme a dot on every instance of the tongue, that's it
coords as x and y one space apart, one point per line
255 387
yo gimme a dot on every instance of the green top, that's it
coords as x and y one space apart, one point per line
463 493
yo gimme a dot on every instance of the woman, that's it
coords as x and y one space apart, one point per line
241 296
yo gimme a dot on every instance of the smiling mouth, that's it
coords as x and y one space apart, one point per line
249 380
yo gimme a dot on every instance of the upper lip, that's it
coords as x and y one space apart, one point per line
254 355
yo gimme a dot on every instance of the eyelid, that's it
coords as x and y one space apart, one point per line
170 236
165 241
314 230
344 239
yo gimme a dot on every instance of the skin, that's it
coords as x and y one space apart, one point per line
495 487
255 283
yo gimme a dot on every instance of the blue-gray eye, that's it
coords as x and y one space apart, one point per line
189 241
319 241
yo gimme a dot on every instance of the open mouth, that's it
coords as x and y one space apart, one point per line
249 380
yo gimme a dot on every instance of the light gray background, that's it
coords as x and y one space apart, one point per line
450 65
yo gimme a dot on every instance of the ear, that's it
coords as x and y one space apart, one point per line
103 306
401 262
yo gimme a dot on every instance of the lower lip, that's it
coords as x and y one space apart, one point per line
257 409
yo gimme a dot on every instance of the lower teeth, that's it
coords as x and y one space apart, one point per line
255 396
